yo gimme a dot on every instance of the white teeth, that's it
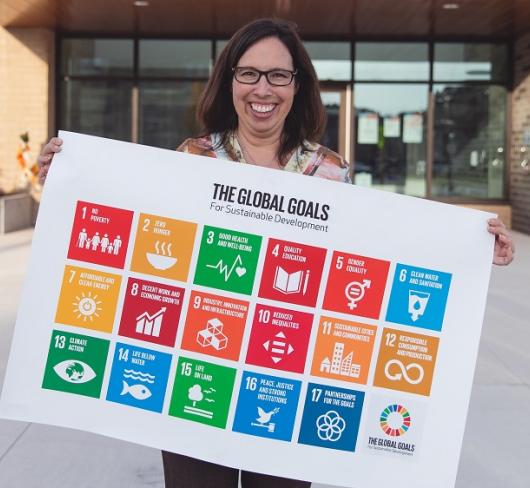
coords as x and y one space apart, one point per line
258 107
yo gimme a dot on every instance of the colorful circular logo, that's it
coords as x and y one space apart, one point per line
395 420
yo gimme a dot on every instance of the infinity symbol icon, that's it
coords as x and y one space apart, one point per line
404 372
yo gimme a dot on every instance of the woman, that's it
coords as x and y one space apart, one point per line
262 106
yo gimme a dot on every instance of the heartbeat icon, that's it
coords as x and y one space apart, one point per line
224 269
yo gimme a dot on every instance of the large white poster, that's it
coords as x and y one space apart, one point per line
253 318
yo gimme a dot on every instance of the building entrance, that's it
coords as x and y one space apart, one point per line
337 102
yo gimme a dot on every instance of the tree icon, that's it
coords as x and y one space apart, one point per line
195 394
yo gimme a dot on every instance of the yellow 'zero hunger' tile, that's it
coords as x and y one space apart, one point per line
163 247
88 298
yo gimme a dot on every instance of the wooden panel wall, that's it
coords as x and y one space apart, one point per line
330 19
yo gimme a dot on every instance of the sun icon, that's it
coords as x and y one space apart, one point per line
87 306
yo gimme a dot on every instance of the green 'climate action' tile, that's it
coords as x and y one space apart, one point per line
227 260
76 364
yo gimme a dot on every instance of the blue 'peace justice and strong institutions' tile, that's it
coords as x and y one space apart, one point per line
139 377
418 297
266 406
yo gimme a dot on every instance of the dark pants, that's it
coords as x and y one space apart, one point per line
184 472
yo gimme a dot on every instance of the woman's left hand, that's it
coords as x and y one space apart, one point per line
504 248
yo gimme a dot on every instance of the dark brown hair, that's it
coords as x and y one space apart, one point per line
307 117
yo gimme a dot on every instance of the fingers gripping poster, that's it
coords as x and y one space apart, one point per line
258 319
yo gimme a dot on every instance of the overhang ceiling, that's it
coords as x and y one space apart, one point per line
326 19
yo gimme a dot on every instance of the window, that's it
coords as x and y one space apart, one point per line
167 112
392 92
146 90
463 62
104 93
98 108
332 60
162 58
391 137
469 125
97 57
384 61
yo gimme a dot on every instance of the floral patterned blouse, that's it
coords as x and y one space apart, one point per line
314 160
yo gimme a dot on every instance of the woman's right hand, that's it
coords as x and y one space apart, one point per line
45 158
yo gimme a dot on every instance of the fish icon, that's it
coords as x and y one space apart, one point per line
139 392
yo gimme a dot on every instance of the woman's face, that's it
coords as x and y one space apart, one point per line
262 108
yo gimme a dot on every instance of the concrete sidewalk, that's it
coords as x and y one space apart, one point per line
496 443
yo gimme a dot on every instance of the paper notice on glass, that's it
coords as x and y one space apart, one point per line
368 130
392 126
473 159
363 179
234 314
412 129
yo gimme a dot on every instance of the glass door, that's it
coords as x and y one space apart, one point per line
337 102
391 137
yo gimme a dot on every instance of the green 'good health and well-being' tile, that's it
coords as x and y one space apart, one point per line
227 260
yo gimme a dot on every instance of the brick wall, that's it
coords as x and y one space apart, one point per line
519 178
26 96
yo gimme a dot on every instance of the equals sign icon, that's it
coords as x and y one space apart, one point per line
278 347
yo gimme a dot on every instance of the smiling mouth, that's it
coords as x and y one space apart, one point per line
262 108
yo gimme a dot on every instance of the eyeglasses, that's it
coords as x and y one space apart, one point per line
251 76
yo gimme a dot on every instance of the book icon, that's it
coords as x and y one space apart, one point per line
289 283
